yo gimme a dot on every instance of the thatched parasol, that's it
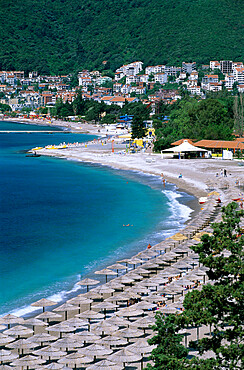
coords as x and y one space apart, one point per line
75 359
48 315
124 356
87 337
105 365
105 306
68 343
7 356
129 333
50 353
106 272
66 307
88 282
112 341
4 339
43 303
103 327
29 361
41 338
95 350
90 315
11 319
18 331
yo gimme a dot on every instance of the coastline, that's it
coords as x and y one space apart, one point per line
155 265
195 173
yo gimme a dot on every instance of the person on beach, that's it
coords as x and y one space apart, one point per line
180 176
225 173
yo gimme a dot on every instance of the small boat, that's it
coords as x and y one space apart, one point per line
202 200
33 155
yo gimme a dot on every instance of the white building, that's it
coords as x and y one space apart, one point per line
229 81
162 78
239 75
131 69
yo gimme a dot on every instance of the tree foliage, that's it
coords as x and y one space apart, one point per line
220 304
170 353
211 119
62 36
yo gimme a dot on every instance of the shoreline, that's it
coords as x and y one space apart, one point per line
150 283
193 181
74 290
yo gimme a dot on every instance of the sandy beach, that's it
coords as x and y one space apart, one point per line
198 175
112 321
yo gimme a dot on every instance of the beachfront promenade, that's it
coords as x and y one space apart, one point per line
107 326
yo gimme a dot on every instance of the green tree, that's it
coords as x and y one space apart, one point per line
218 305
238 109
5 108
78 104
138 127
169 354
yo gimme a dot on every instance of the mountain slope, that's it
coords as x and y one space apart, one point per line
60 36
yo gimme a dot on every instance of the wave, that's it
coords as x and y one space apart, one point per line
56 297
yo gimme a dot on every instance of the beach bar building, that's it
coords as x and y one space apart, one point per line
218 146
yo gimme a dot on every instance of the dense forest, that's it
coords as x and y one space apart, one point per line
62 36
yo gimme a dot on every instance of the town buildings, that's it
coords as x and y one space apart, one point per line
132 82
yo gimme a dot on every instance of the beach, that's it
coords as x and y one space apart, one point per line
142 276
198 175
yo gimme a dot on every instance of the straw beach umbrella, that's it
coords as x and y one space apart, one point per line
80 300
106 272
6 367
11 319
104 289
95 350
118 321
49 315
66 307
141 346
41 338
53 366
112 341
130 312
129 333
143 323
117 267
35 322
18 331
7 356
88 282
105 306
29 361
62 327
90 315
22 344
50 353
5 339
68 343
76 322
105 365
75 360
87 337
43 303
103 328
124 356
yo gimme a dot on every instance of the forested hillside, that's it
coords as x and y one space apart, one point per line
60 36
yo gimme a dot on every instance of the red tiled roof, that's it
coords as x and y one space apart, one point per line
220 144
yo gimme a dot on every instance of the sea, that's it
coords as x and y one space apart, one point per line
61 220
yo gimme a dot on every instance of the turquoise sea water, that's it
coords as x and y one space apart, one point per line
61 220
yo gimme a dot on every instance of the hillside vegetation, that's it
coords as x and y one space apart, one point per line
61 36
